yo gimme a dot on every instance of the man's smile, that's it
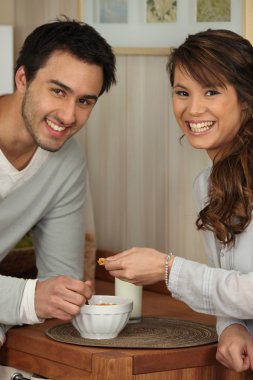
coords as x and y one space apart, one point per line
54 126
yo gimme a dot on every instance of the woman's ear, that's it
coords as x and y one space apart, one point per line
244 105
20 79
246 112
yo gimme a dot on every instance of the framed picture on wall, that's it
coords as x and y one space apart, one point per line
213 11
159 23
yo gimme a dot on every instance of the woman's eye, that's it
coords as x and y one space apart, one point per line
212 92
181 93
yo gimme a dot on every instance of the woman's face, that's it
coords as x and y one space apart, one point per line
209 117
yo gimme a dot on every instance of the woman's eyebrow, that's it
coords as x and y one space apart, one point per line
179 85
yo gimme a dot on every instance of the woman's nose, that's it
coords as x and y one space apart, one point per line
196 105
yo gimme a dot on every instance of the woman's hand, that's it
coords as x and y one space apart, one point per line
235 348
140 266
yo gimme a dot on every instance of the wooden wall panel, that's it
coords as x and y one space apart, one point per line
248 16
32 13
141 176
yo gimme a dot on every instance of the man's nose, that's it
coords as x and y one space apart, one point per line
67 113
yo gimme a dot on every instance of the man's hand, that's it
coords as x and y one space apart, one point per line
61 297
235 348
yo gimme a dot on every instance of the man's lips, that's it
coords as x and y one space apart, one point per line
54 126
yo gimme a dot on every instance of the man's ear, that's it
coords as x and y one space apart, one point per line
20 79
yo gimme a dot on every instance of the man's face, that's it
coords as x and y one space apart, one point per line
58 101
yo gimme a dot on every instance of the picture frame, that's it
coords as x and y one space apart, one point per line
134 35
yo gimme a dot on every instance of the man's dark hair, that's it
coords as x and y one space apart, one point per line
71 36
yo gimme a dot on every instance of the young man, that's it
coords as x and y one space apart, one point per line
62 69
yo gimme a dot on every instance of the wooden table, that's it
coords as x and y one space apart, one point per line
29 349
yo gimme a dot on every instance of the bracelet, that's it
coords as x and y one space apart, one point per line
168 257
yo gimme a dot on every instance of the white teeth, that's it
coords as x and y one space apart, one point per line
55 127
201 127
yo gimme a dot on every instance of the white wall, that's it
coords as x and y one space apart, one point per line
138 33
6 61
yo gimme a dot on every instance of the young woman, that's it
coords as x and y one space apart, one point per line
211 75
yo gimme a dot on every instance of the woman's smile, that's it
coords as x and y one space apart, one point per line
199 126
210 116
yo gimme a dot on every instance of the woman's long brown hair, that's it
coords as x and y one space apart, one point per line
219 57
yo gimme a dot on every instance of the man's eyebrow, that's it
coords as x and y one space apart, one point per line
68 89
95 97
60 84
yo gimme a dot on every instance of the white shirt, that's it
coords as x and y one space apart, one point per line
11 178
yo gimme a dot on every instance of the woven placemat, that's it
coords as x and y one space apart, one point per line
152 332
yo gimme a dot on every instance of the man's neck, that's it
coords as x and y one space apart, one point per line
16 149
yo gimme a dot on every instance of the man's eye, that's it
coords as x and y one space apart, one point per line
84 101
57 91
87 101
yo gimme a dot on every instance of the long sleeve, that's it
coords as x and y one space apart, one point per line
223 322
59 235
51 205
223 287
213 291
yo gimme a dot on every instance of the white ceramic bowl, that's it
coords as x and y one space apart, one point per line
104 317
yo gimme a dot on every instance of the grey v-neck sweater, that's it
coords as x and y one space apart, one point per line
50 205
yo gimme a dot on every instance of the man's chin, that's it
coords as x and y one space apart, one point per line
50 148
51 145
